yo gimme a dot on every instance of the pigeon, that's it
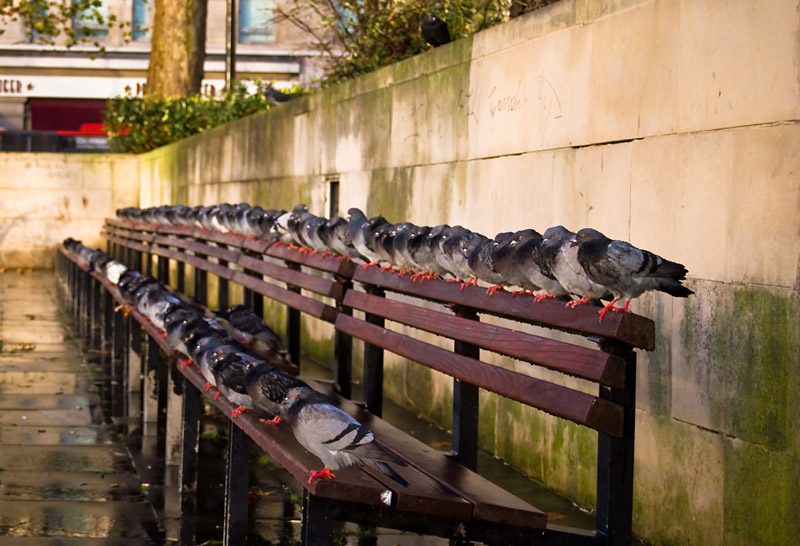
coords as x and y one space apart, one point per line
362 233
209 353
479 252
505 262
249 328
531 262
230 372
334 436
627 271
434 31
406 243
275 97
336 237
268 387
562 258
423 251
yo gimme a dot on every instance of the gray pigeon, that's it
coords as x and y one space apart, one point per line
334 436
249 328
627 271
268 387
479 252
230 373
533 264
362 233
562 258
505 263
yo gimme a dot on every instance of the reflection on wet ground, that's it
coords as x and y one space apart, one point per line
71 474
65 478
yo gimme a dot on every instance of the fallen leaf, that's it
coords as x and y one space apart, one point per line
555 516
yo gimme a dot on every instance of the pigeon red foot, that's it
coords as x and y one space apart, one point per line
574 303
371 264
611 307
274 421
187 362
492 289
238 411
540 297
207 387
324 474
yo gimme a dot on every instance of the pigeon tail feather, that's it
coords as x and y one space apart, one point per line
674 288
389 471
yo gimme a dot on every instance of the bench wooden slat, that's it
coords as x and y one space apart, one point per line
325 287
560 401
491 502
557 355
330 264
629 328
294 300
297 301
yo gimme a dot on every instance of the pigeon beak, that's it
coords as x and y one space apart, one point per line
573 242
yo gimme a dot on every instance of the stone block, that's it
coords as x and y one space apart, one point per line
678 483
760 488
598 192
513 193
635 72
738 63
764 218
680 196
544 106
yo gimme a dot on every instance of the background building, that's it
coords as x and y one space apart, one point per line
46 87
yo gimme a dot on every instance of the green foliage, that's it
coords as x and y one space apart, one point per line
77 21
138 125
359 36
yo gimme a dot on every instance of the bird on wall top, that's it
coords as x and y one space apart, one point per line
627 271
434 31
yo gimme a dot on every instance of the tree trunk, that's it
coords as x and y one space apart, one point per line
178 48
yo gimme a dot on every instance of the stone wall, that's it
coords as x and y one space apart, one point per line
47 197
669 124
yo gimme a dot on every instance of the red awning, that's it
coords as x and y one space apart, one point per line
64 114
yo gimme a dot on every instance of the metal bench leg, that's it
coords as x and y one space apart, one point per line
237 478
317 524
615 463
373 364
465 407
191 409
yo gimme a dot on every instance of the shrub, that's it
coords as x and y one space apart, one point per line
138 124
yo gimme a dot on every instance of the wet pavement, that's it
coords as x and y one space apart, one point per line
64 476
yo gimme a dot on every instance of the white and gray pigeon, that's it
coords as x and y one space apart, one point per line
334 436
627 271
562 258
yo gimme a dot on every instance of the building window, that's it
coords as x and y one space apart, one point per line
92 21
333 197
255 21
140 23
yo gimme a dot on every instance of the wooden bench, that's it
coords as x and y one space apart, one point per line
445 496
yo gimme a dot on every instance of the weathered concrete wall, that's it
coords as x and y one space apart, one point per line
47 197
669 124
